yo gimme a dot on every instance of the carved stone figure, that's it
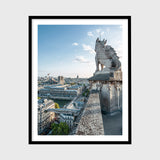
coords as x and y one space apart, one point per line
110 77
106 56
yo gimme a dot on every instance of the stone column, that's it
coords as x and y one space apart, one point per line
118 90
105 97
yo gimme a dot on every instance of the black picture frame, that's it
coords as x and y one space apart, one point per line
30 141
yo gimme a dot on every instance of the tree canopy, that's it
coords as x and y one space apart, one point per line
86 93
60 129
57 106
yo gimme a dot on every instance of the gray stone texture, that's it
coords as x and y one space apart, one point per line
111 97
112 123
91 122
110 90
106 56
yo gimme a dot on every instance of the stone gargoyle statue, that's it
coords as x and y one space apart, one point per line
106 56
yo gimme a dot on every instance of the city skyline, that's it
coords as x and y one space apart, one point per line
68 50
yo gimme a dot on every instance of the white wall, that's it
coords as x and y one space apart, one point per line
145 81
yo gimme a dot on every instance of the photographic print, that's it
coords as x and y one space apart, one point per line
79 80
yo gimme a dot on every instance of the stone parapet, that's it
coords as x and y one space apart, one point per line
91 122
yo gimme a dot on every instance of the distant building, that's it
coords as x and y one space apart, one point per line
69 119
77 76
61 80
44 118
76 87
60 91
78 104
52 81
46 81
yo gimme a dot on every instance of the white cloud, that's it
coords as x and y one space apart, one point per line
88 48
81 59
75 44
90 34
119 51
98 30
102 33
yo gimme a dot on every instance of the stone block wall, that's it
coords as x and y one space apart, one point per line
111 97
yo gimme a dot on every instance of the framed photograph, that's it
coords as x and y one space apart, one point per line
79 79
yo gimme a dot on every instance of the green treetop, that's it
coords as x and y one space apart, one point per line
60 129
57 106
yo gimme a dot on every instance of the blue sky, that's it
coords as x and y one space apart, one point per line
68 50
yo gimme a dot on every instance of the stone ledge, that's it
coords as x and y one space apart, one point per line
91 122
102 76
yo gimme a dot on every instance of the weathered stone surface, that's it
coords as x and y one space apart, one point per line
108 80
112 123
112 76
106 56
100 77
111 97
91 122
110 90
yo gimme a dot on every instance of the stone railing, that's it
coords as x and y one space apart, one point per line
91 122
